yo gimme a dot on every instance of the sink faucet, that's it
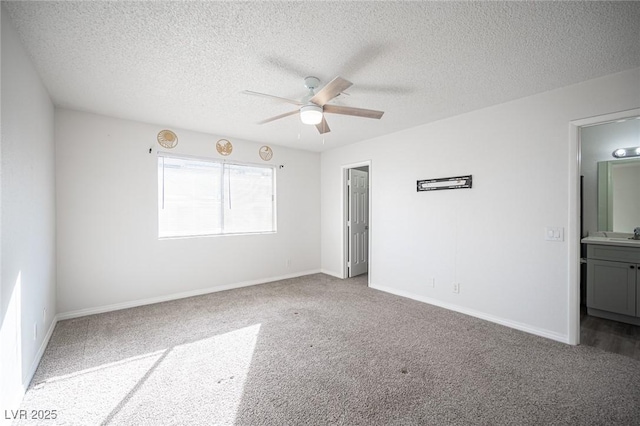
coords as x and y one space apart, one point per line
636 233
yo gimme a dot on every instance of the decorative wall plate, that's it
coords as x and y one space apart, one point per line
457 182
266 153
224 147
167 139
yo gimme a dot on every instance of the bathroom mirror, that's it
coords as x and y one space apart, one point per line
619 195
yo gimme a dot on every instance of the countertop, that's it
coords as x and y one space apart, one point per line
612 239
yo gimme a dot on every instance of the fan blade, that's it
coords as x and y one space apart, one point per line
358 112
277 98
277 117
331 90
323 127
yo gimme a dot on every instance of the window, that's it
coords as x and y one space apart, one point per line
198 196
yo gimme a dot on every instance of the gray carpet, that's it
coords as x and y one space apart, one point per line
317 350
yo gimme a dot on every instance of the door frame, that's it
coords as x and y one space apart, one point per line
573 234
344 199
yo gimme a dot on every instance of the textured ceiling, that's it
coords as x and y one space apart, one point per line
184 64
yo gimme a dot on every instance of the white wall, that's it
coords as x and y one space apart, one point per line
27 223
597 143
108 247
491 238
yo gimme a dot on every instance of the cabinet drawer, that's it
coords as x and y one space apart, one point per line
615 253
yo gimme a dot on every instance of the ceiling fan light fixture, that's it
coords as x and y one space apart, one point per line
311 114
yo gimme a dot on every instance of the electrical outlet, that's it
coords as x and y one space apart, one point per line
44 316
288 263
35 331
432 282
456 287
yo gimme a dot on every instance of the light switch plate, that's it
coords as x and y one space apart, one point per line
552 233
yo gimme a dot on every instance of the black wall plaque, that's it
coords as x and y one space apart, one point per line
458 182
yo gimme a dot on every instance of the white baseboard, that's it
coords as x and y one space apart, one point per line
175 296
508 323
27 376
36 361
333 274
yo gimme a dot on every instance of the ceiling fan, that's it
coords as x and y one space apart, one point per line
314 105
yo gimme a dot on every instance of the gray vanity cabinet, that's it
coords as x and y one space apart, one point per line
613 282
611 286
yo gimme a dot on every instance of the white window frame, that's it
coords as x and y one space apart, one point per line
161 155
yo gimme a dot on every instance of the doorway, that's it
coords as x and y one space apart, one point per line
582 222
356 219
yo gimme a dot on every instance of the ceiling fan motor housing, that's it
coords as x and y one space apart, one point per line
311 82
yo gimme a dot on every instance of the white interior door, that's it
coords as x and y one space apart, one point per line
358 222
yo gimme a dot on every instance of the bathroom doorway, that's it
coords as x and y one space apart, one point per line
596 139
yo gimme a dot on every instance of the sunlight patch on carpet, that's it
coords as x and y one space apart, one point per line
171 385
